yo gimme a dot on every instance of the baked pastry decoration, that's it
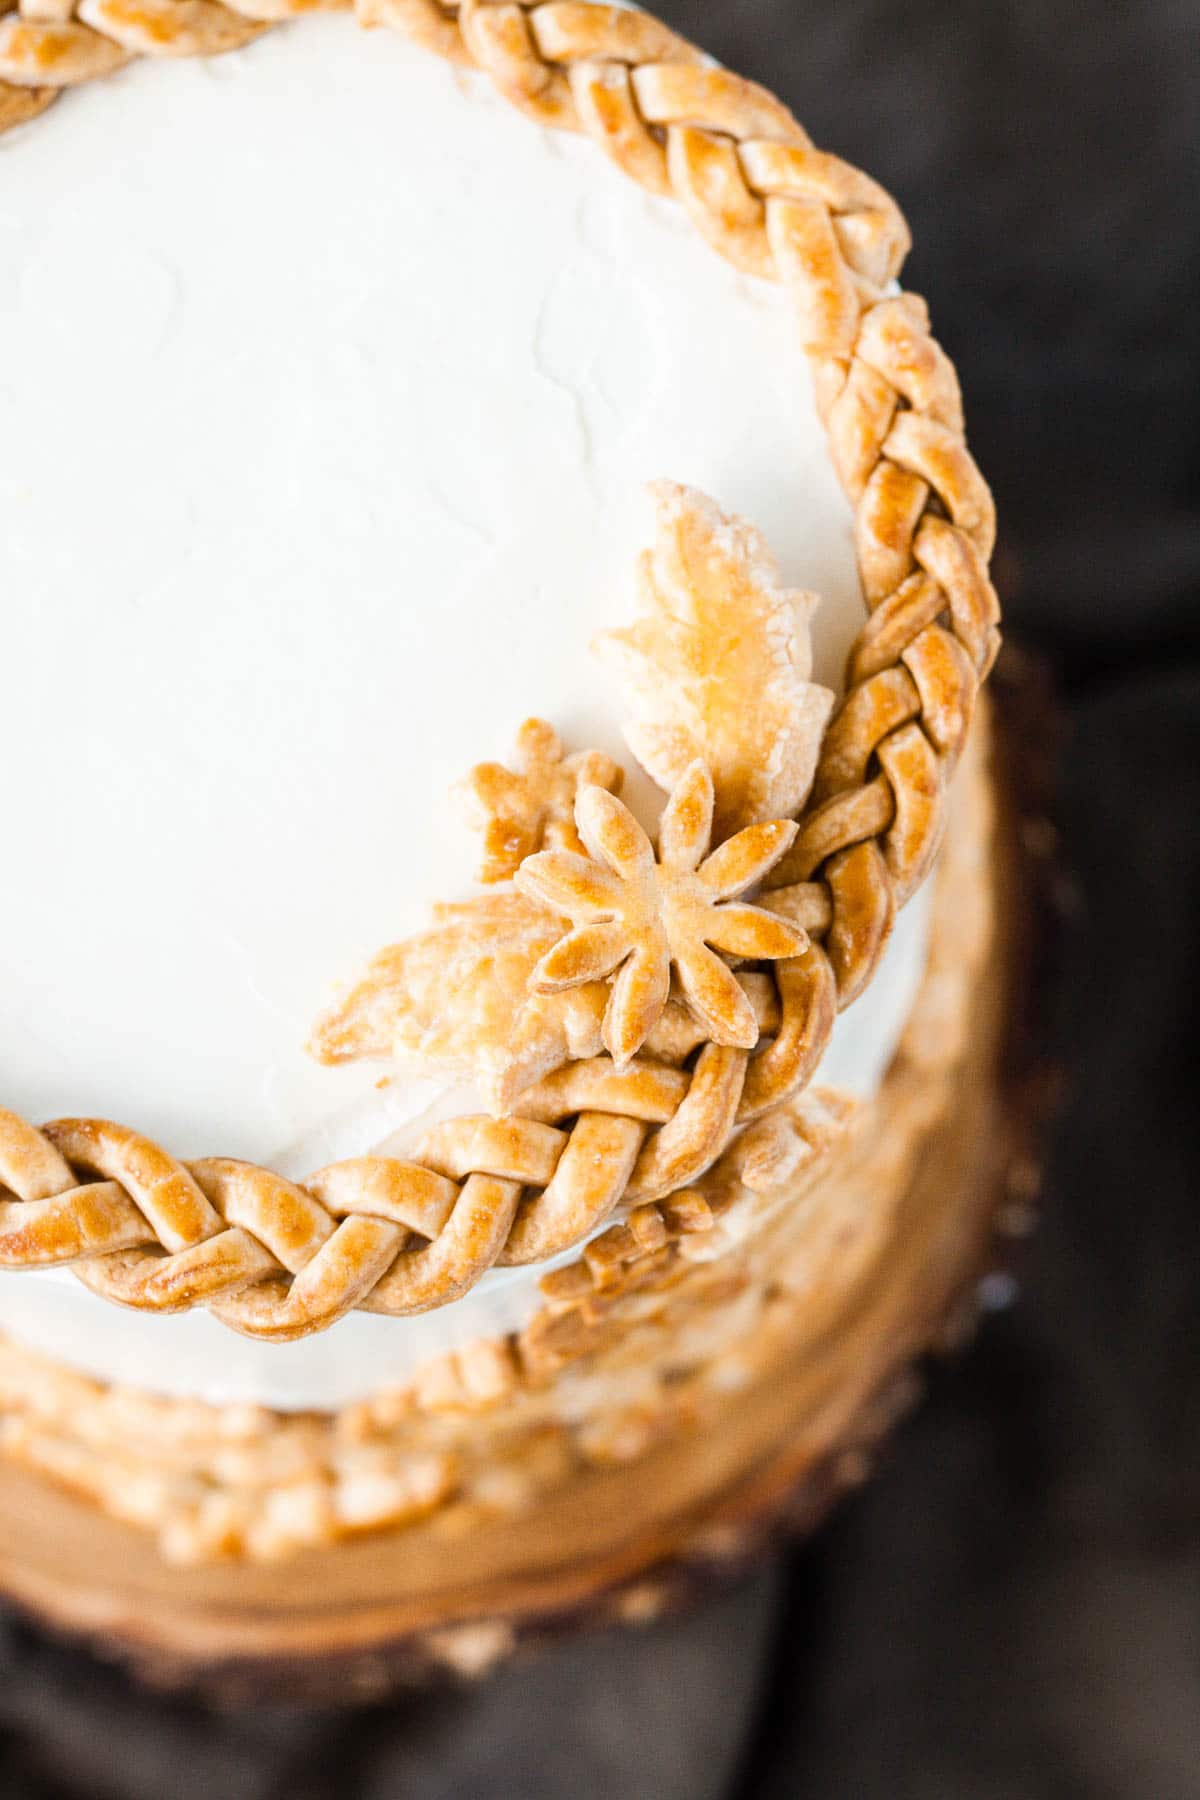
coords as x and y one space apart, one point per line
718 666
532 807
486 990
637 919
640 1029
457 996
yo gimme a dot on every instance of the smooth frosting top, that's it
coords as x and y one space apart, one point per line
332 391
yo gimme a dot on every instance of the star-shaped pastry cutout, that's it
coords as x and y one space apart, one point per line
531 806
638 917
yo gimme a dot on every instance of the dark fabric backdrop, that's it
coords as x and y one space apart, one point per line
1011 1609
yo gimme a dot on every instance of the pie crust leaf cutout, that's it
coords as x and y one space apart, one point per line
531 806
457 997
636 917
717 667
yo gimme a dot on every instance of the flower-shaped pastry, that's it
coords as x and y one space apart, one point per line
531 807
638 917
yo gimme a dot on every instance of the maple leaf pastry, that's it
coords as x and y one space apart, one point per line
503 962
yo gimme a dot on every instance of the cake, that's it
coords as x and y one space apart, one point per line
503 942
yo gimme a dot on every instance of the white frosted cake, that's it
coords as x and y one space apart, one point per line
337 397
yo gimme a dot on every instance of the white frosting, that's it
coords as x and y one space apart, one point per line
331 389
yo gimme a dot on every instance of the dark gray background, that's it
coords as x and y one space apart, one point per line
1011 1610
